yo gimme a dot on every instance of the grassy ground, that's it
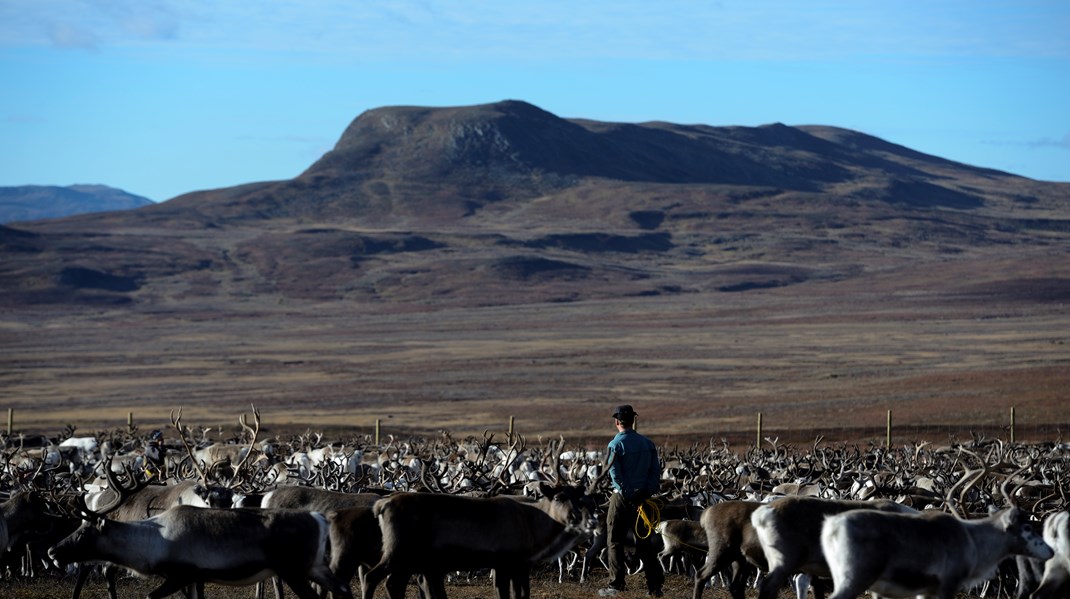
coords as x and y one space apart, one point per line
544 586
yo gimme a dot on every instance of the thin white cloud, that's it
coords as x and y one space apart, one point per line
88 24
1043 142
1048 142
67 35
382 30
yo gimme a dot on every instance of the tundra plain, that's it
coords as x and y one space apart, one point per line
696 367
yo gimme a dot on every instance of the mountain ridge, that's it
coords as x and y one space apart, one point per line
35 202
454 206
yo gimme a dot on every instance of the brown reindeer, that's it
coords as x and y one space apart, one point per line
356 542
354 531
22 513
432 534
732 542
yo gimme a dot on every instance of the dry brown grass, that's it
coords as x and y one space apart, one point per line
544 586
827 359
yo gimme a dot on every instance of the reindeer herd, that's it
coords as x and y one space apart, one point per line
924 519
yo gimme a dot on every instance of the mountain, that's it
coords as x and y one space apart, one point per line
34 202
506 203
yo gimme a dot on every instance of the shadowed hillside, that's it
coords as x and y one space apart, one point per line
445 205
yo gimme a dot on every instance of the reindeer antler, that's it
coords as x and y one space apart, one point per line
122 492
971 475
1009 498
176 421
591 488
254 431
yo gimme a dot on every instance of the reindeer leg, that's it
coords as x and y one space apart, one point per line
300 587
328 582
344 569
713 565
110 574
522 583
501 582
395 585
434 585
81 573
801 584
770 585
375 576
821 587
169 587
362 574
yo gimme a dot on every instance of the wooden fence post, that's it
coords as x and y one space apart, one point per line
888 431
10 420
1012 424
377 424
511 421
758 439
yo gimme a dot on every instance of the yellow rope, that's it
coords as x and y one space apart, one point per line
677 539
650 523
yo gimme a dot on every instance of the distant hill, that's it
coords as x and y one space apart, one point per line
506 203
34 202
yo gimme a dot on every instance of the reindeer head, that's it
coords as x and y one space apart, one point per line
572 506
215 495
1027 539
210 489
82 543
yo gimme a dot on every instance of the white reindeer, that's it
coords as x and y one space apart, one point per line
1057 568
931 554
789 531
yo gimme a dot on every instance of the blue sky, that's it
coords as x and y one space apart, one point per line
162 97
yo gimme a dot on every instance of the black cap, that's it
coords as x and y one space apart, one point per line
624 413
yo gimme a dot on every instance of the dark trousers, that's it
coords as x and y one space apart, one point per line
620 521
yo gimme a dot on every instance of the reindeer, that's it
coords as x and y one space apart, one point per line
731 541
316 500
130 503
354 545
789 532
684 537
189 546
356 542
140 501
432 534
932 554
1055 579
214 494
20 515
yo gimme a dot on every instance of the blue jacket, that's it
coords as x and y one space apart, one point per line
635 465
